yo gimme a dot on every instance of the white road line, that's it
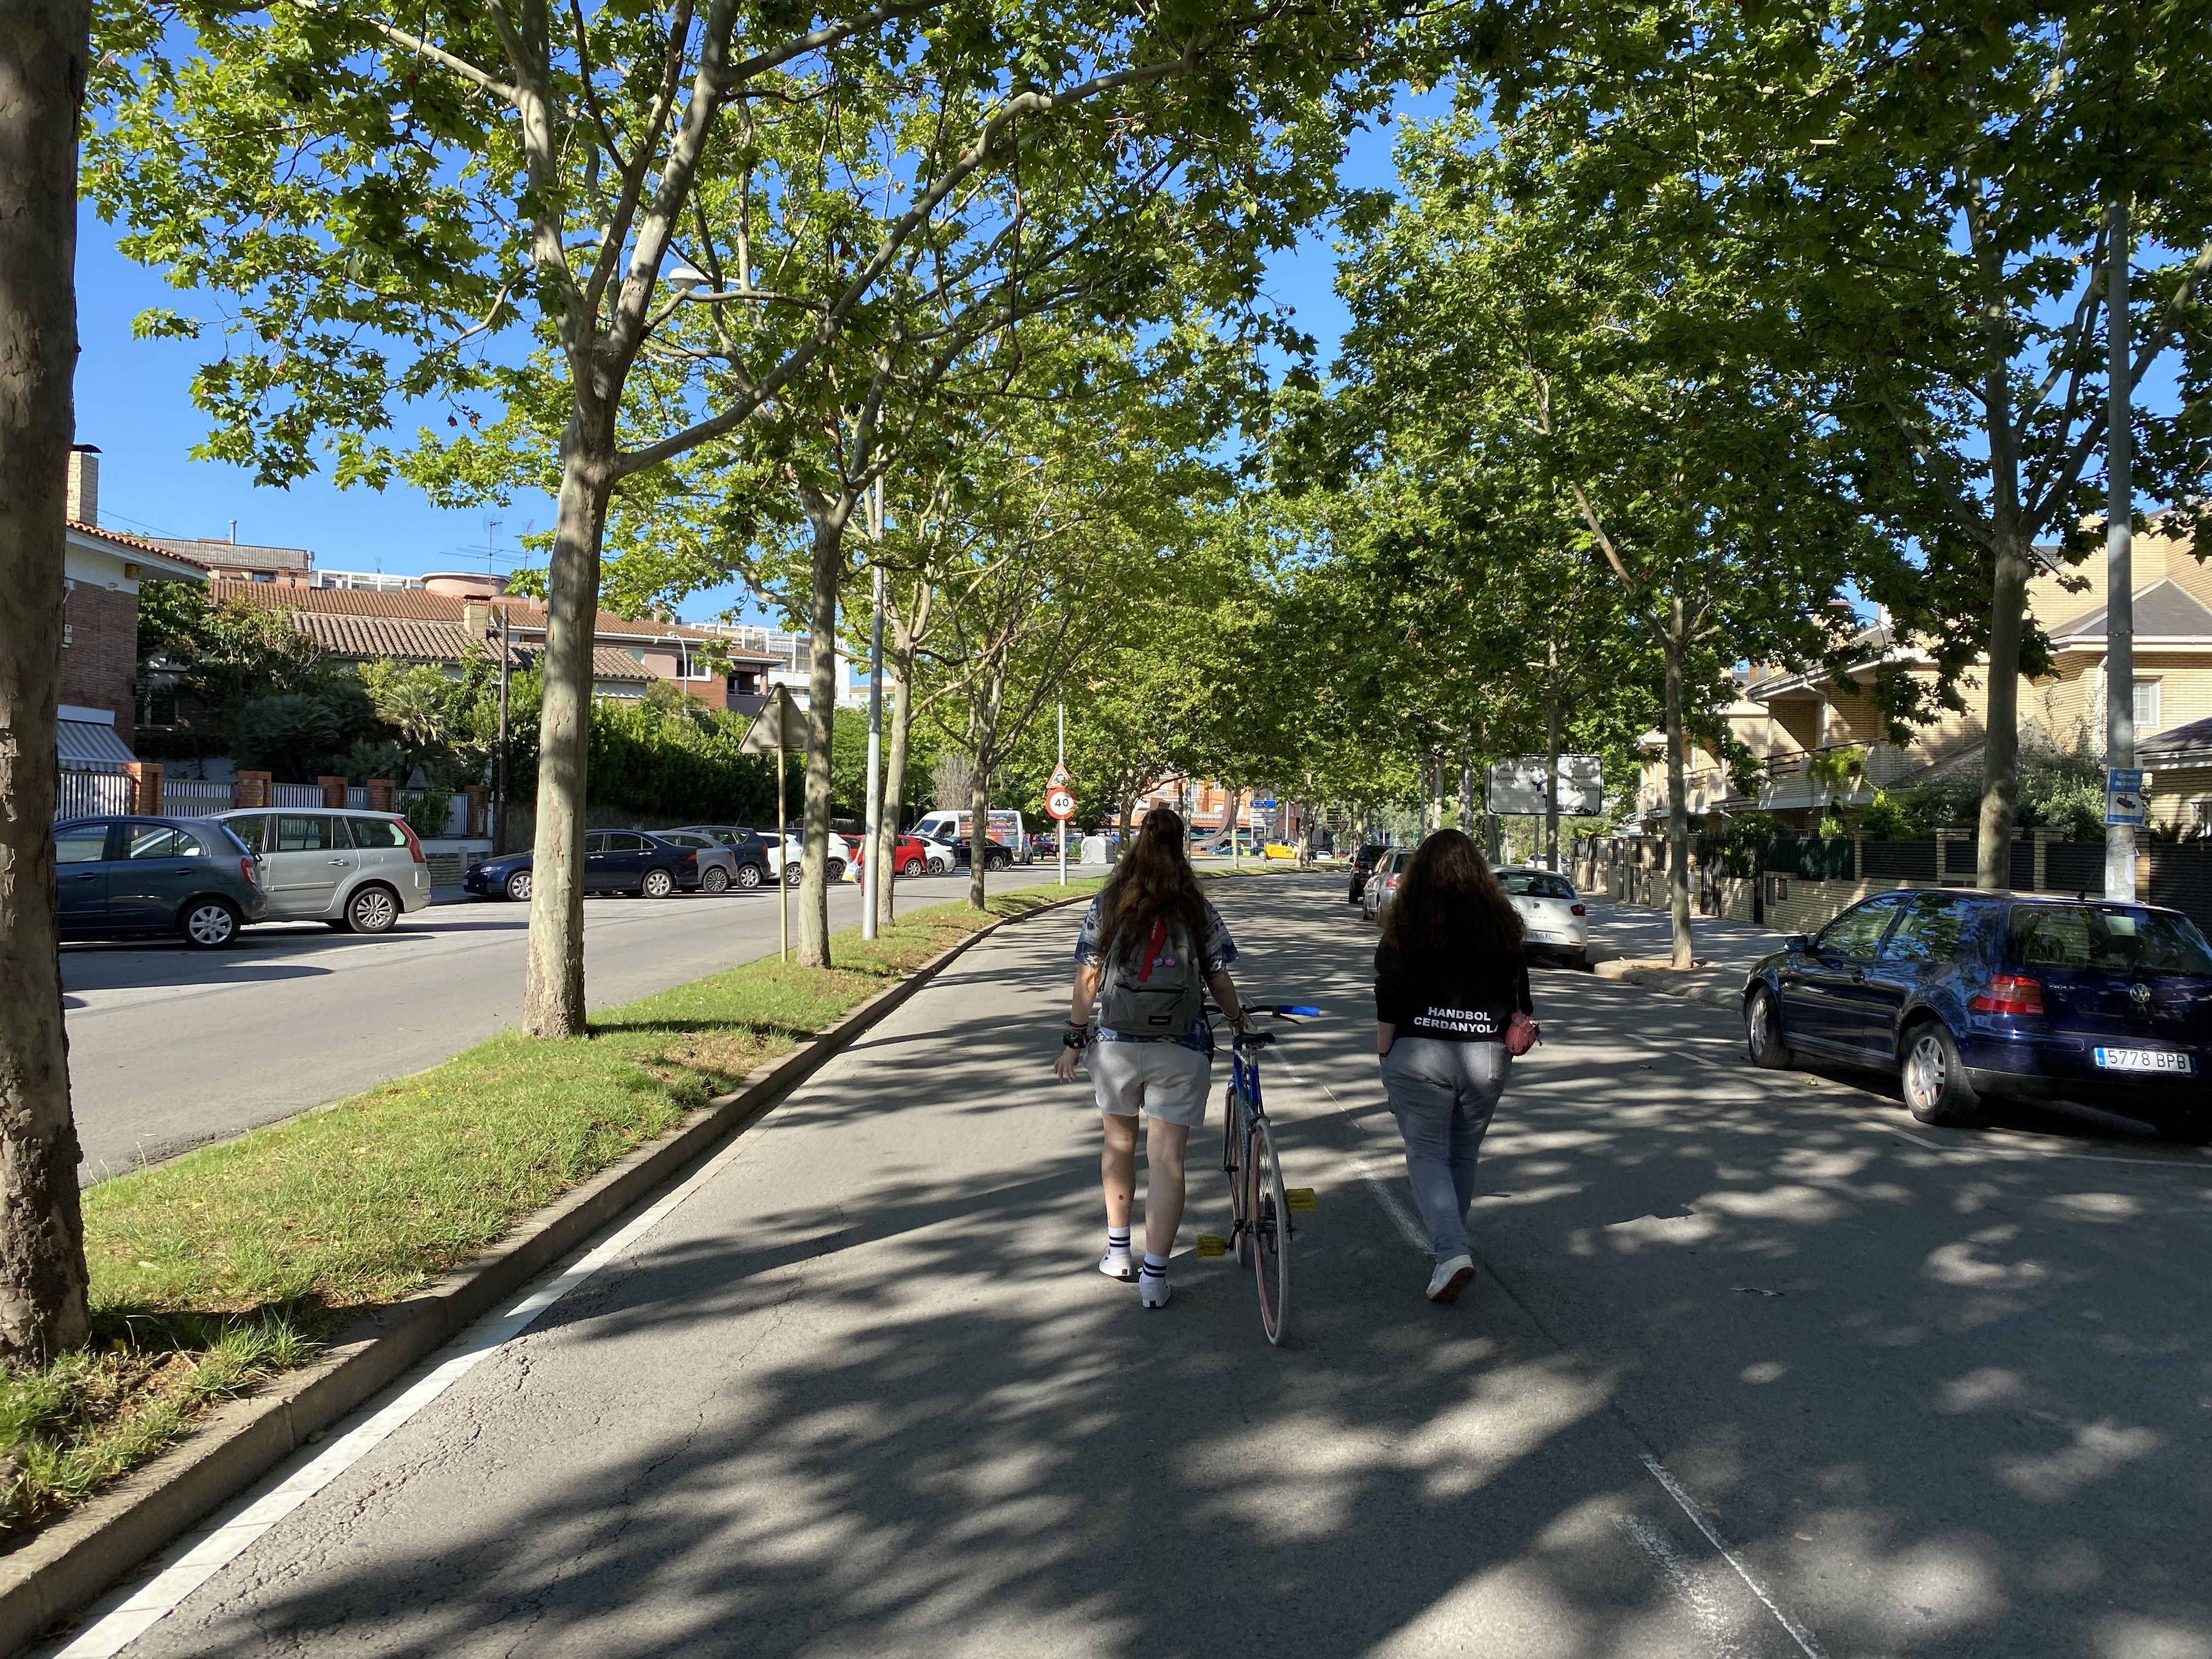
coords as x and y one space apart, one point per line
1383 1187
1798 1633
201 1556
1676 1574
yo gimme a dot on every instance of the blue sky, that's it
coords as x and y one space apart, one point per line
134 401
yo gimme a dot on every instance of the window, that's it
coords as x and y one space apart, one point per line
596 842
377 833
1853 935
1535 883
1929 931
252 831
159 841
307 832
2147 713
619 842
84 843
2111 938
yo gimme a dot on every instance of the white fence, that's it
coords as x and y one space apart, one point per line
299 794
196 797
86 795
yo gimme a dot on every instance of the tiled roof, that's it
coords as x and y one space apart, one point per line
405 638
420 606
413 639
141 543
2162 610
219 554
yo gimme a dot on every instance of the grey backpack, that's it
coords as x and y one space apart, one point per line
1161 995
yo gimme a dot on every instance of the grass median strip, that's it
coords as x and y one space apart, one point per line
220 1268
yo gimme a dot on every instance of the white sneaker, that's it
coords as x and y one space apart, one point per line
1450 1278
1152 1292
1118 1264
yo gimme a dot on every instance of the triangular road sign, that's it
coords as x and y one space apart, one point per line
780 717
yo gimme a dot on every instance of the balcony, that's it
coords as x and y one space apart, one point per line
1786 785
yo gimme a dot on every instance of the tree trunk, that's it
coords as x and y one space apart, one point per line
2001 743
829 519
900 672
42 1272
1677 798
979 827
553 990
1552 761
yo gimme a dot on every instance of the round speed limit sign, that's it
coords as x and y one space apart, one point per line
1061 803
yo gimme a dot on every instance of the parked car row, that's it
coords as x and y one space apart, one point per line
202 879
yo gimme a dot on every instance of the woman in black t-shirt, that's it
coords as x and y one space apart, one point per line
1449 976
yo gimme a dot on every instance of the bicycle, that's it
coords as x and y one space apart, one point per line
1260 1204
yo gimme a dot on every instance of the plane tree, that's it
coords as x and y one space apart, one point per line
397 206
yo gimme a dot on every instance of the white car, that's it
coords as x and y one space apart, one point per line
789 862
1382 883
360 871
1552 912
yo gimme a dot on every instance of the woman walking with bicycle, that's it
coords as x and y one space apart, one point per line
1451 1008
1151 946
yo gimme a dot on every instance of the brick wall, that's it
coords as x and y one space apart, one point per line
99 652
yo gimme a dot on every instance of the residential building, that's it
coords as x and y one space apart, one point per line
790 663
238 561
441 622
101 571
1788 718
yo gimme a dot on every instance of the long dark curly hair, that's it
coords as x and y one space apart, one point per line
1448 904
1152 882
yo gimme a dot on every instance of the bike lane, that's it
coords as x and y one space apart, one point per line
1749 1372
863 1392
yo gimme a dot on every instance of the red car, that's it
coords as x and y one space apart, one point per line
909 856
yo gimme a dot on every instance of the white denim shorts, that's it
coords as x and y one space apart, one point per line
1168 1080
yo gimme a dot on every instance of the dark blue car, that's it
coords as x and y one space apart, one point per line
1968 995
614 862
118 878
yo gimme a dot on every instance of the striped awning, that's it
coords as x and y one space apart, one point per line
91 747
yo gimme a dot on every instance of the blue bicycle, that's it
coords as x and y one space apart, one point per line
1260 1204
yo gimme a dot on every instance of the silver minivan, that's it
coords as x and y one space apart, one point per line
360 871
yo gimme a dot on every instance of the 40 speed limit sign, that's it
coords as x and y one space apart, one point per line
1061 803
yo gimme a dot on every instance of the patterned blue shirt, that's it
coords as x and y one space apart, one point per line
1219 952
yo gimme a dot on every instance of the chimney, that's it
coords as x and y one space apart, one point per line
475 619
84 483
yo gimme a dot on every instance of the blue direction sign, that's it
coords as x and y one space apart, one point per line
2125 795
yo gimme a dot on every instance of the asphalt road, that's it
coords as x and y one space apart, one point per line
171 1046
1756 1369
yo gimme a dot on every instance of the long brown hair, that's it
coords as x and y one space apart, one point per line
1448 904
1152 882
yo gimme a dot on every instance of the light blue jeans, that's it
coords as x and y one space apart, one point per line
1442 1095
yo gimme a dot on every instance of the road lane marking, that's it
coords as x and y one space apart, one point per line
1676 1574
200 1556
1383 1187
1688 1504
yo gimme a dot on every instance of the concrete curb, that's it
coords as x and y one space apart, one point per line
73 1561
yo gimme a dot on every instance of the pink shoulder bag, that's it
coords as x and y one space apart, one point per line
1521 1034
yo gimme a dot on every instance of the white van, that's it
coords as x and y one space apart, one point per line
359 872
1006 830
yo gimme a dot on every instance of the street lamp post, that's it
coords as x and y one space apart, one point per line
871 867
498 638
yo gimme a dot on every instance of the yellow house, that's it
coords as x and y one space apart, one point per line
1787 717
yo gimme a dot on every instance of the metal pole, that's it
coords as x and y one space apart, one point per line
499 805
2119 550
1060 715
871 867
783 852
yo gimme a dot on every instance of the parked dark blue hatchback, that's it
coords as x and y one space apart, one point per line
1970 995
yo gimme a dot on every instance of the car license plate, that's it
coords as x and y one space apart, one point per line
1538 933
2143 1060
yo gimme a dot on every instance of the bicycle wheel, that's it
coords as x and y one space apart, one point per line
1232 1165
1271 1233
